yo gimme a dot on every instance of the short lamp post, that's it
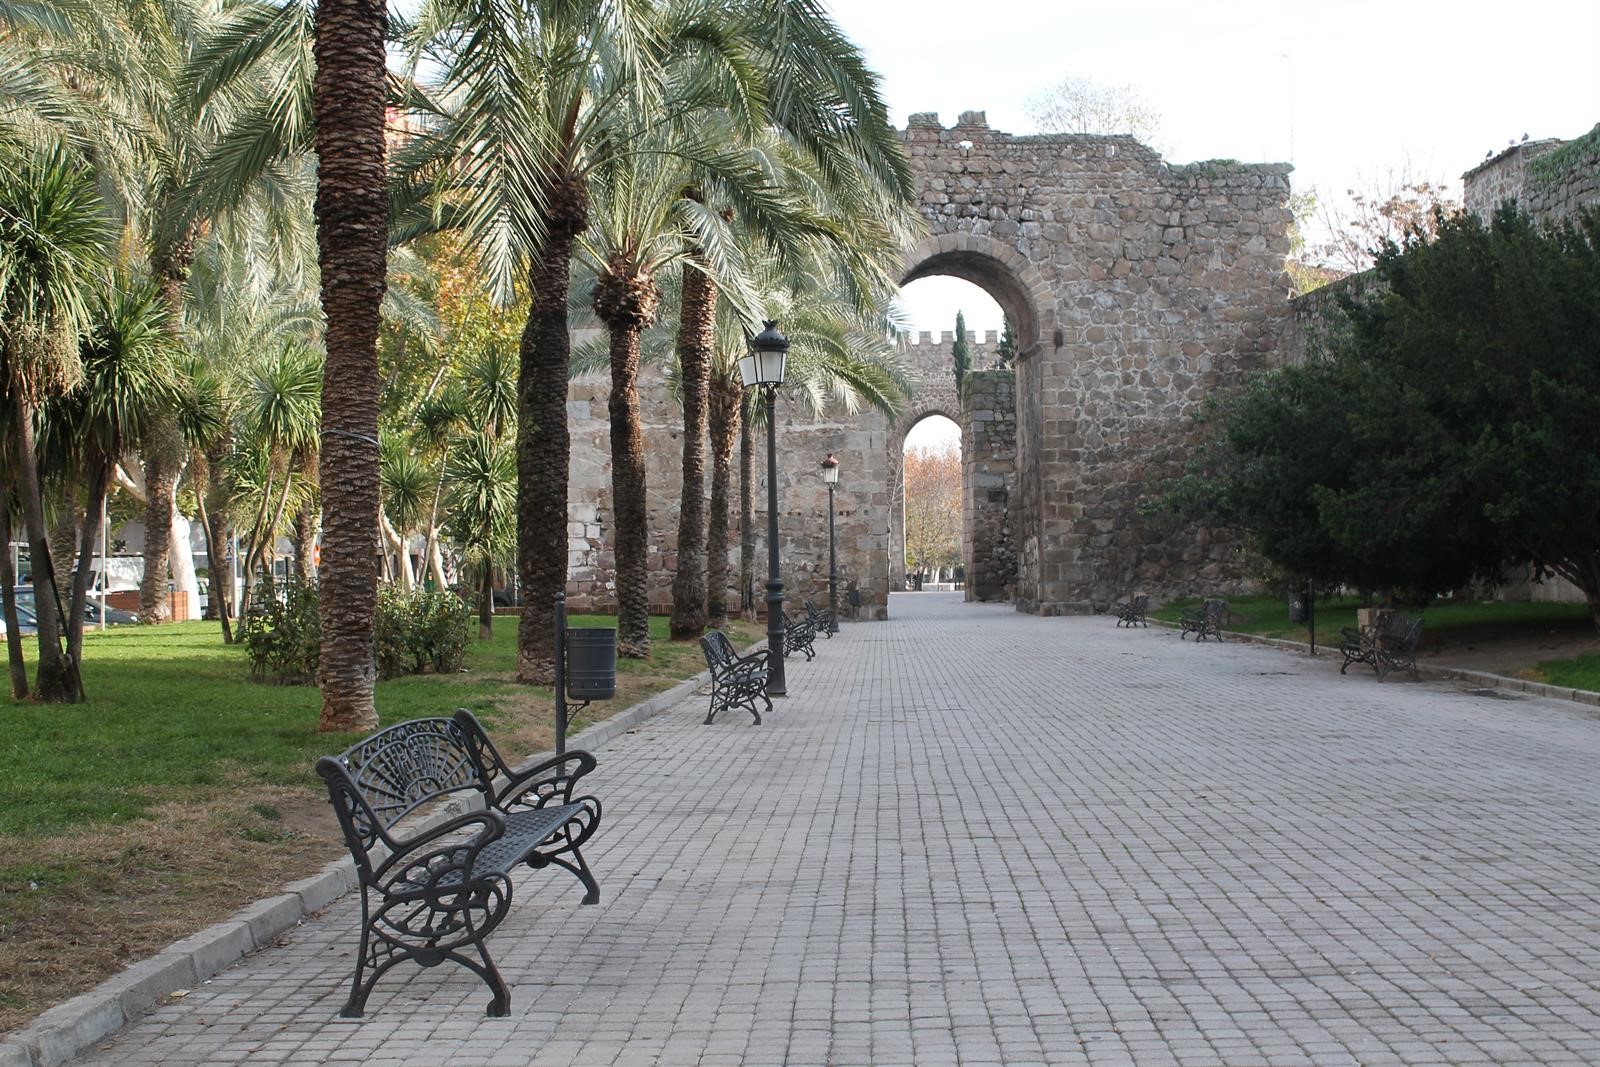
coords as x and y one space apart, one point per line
763 366
830 476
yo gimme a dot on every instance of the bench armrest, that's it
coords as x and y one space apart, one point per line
414 854
550 781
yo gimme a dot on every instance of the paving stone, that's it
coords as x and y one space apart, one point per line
971 835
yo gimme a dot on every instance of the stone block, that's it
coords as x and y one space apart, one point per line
269 918
14 1054
144 983
68 1029
217 946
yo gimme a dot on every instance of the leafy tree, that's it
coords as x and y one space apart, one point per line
932 508
1379 211
1496 327
960 351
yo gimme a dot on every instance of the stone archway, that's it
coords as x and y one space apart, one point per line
1136 289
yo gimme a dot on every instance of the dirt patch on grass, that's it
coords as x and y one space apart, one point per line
76 908
1510 649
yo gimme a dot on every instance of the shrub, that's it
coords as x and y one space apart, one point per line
283 635
412 630
416 629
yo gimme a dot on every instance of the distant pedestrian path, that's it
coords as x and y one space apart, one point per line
972 836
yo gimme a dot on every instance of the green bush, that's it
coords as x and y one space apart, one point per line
416 629
283 635
412 631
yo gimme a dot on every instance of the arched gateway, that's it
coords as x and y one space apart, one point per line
1135 290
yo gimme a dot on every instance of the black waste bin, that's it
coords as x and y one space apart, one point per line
1300 606
591 663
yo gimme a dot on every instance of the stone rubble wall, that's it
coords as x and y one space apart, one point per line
1550 179
861 499
989 466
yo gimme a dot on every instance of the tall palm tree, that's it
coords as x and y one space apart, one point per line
827 133
527 88
54 235
352 210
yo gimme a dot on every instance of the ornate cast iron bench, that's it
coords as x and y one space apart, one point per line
799 635
821 621
1206 622
1388 645
428 896
736 681
1131 613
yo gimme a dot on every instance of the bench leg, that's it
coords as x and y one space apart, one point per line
578 867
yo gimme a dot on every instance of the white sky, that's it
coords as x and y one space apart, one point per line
1340 88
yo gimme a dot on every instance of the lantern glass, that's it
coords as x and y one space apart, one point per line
830 470
747 370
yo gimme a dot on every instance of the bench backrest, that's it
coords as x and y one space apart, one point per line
717 649
379 781
1400 632
1214 610
1141 603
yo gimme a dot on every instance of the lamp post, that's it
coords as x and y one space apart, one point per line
830 476
763 365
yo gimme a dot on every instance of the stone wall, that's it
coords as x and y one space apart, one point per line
988 468
1549 179
804 438
1136 288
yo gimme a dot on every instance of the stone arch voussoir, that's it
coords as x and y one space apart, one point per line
995 267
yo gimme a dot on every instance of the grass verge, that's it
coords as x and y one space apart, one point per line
1449 622
182 790
1579 672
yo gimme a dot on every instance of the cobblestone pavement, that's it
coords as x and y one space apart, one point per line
971 836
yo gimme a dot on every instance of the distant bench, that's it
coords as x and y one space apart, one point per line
1388 645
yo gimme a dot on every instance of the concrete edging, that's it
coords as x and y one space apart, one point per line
1482 678
72 1026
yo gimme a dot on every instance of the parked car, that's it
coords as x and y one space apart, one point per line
91 610
26 622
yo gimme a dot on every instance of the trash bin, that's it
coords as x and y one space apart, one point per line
1300 606
591 663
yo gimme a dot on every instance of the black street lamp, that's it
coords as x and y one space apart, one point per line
830 475
764 366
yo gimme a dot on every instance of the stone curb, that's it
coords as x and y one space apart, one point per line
69 1028
1460 674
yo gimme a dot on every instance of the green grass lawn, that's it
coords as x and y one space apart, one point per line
172 710
1448 620
183 789
1579 672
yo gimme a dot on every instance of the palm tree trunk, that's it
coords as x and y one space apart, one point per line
348 98
8 601
626 301
486 605
747 520
543 439
98 478
160 488
64 538
724 426
219 573
305 540
57 681
697 333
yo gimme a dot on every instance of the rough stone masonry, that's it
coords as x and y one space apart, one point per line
1135 288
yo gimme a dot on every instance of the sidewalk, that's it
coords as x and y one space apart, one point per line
972 836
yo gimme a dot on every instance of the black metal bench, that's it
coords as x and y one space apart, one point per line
427 896
821 621
1132 611
1205 622
799 635
736 681
1388 645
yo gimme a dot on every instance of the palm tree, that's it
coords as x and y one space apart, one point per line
53 237
529 90
129 381
483 502
352 210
